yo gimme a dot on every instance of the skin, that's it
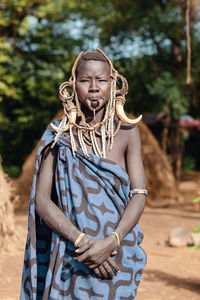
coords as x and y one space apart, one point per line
93 88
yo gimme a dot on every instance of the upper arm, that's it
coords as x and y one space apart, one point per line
45 178
134 162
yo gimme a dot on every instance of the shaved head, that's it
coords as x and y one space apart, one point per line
91 55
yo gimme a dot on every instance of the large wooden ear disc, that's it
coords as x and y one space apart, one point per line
63 92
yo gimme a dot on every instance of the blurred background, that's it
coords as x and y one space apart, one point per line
154 44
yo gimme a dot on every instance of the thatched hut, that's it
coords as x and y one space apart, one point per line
161 182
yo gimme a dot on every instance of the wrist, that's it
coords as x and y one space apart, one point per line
83 241
113 244
78 239
117 237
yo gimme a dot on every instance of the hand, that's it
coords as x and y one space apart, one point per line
106 270
86 240
94 253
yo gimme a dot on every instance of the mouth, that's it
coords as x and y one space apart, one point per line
94 102
94 99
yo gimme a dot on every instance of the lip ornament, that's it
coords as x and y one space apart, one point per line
94 103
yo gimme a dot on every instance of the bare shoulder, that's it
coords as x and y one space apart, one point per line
131 133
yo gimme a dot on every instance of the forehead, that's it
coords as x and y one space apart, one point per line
93 67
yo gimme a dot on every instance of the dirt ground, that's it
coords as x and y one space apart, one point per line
171 273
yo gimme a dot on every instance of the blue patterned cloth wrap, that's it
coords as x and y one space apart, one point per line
93 193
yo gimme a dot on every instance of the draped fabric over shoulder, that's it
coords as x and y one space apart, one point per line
93 193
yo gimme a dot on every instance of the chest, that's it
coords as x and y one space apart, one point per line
118 152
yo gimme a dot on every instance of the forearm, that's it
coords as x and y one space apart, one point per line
131 215
49 212
53 217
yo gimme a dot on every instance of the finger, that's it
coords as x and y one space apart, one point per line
103 272
91 265
113 264
114 253
83 248
97 272
108 269
83 257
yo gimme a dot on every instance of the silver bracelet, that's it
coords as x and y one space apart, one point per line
138 191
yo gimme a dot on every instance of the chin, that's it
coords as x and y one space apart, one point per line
97 109
88 105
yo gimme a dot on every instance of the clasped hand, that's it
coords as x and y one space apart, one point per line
96 254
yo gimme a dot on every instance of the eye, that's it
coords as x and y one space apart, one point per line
102 80
83 80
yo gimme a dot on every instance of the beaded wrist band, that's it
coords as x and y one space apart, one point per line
138 191
79 238
117 237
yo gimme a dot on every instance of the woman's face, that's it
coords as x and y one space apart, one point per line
93 84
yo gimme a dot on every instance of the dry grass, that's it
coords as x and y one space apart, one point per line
161 182
7 225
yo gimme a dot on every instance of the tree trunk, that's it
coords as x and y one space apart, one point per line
175 148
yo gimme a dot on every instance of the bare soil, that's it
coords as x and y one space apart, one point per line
171 273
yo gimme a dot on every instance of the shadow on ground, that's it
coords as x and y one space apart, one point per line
176 214
173 280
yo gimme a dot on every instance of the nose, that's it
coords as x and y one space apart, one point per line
93 86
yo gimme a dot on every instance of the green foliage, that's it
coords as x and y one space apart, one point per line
196 200
194 248
197 228
169 94
36 56
188 163
13 171
39 40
